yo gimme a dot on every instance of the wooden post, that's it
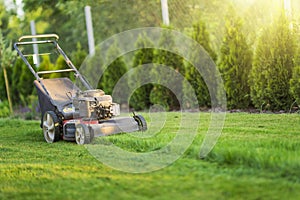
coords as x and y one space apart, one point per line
89 28
7 90
36 58
165 12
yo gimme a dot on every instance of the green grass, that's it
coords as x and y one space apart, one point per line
256 157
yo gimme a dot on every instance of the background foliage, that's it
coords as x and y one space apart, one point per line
254 44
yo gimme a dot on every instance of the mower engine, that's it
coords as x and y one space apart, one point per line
94 104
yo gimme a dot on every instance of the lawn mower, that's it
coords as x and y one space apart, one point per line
69 113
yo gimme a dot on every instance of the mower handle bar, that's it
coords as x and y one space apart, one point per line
56 71
34 42
60 51
38 36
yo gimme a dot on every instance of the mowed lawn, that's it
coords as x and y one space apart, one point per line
256 157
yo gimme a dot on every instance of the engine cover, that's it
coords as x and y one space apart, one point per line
95 104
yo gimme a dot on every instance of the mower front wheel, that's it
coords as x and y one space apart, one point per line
82 134
51 127
141 122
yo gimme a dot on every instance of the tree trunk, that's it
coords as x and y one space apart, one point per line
7 90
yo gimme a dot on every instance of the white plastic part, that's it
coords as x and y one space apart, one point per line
115 109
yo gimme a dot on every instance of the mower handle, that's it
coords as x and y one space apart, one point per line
60 51
56 71
38 36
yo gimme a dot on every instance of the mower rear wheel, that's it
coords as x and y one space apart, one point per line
51 127
141 122
82 134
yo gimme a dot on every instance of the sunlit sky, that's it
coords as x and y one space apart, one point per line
9 4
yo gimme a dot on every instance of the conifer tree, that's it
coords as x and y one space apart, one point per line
273 66
78 56
140 99
235 63
92 69
295 81
59 65
16 74
114 71
161 94
7 56
295 84
25 83
46 65
201 36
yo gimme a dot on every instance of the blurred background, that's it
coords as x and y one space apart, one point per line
254 43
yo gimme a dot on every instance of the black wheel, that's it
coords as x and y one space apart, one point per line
51 127
83 134
141 122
